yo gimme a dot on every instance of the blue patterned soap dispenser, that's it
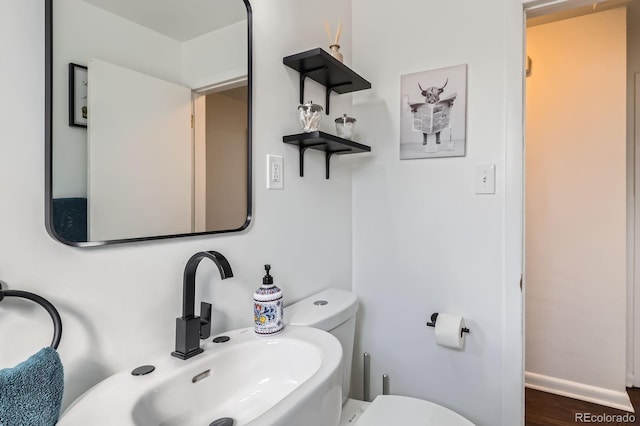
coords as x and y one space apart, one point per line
267 307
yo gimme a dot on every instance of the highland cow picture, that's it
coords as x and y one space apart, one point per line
433 113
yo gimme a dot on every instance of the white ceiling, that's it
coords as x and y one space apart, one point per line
181 20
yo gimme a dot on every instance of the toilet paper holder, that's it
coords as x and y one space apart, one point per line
434 318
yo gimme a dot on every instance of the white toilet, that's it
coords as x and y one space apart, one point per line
334 311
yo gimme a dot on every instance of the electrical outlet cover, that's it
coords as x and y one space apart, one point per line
275 172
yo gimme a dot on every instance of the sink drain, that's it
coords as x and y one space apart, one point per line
144 370
225 421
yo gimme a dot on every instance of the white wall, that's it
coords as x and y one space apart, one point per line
200 68
576 202
79 30
119 304
423 241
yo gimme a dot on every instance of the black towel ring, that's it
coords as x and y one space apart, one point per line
55 316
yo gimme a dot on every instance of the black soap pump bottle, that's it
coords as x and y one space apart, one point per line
267 306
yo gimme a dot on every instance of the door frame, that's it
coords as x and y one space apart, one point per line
198 117
198 124
633 241
539 7
514 294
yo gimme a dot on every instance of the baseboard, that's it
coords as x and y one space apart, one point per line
596 395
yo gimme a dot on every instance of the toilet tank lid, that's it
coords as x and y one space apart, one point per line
340 306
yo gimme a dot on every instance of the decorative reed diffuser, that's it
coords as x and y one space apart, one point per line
334 47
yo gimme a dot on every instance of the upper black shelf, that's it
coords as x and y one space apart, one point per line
323 68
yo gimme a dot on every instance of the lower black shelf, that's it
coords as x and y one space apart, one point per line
322 141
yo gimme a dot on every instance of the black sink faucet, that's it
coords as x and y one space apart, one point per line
190 328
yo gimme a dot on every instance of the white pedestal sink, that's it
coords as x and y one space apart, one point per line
293 378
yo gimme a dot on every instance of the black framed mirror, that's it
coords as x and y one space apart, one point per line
148 119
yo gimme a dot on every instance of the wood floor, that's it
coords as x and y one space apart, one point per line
545 409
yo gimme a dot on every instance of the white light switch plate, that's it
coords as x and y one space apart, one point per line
275 172
485 179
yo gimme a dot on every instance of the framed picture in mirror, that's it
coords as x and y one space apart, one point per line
78 88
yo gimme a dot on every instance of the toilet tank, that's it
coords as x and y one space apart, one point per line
332 310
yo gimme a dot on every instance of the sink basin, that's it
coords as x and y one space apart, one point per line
292 378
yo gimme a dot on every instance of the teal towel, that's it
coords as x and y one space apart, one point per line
31 392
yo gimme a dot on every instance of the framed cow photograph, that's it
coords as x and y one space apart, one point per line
433 113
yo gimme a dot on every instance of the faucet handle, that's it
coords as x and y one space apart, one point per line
205 320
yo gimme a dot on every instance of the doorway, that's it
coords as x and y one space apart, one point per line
220 145
576 205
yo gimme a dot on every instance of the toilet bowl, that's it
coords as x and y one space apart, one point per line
334 310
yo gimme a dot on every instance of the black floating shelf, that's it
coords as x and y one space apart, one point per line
322 141
323 68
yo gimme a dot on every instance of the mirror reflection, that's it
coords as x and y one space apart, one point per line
149 119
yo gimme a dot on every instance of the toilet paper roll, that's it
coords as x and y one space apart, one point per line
449 331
